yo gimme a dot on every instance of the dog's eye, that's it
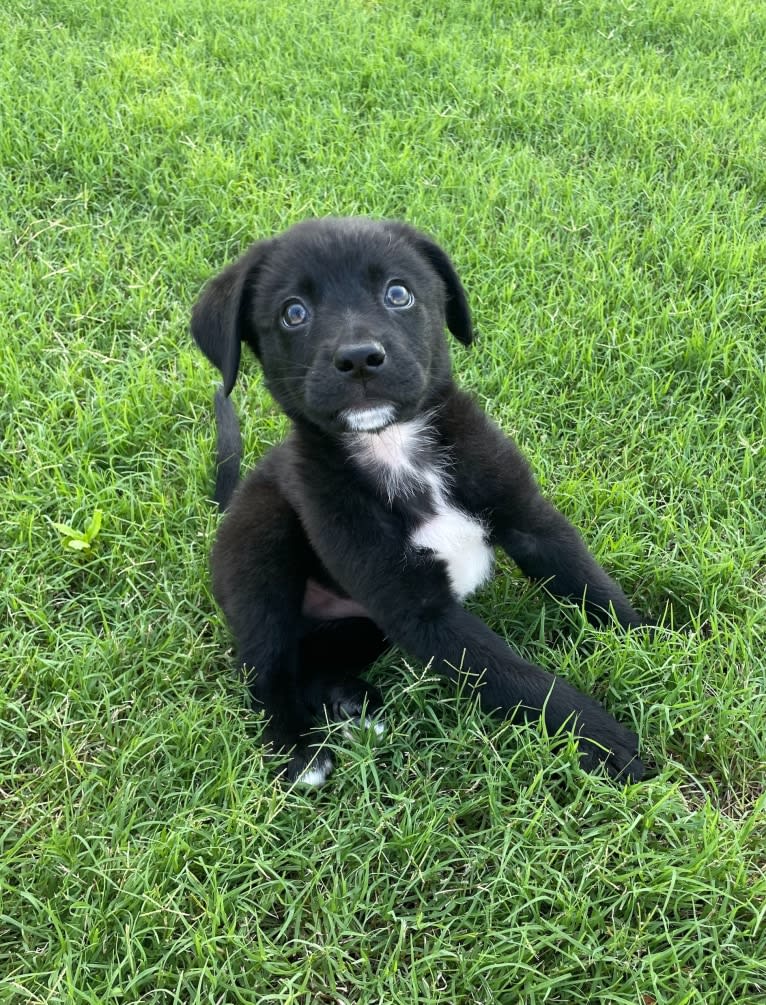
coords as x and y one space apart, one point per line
397 295
294 314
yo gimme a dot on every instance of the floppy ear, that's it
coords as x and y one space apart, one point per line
219 321
458 313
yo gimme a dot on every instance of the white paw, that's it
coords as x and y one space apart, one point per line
353 726
317 772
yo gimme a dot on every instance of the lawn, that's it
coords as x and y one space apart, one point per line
596 171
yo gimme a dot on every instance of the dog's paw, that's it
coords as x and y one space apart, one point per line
310 767
615 749
357 724
352 703
355 703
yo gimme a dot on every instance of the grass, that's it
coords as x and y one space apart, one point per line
596 171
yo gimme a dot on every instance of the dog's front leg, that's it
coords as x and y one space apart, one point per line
546 547
496 481
260 565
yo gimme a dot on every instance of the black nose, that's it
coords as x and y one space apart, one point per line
359 360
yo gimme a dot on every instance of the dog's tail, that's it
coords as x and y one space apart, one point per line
228 449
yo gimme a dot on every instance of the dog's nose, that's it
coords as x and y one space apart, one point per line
359 360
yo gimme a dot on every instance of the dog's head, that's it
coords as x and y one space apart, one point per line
347 317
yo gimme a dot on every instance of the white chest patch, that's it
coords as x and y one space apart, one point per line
400 458
460 541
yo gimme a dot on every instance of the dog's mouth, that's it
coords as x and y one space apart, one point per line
367 418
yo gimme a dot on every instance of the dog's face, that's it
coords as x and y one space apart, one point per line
347 317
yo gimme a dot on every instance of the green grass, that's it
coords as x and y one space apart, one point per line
596 171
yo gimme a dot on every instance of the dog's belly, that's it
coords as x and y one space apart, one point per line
324 604
460 542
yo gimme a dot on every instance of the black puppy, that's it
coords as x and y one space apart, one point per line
379 513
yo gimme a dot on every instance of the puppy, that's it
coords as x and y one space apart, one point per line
379 514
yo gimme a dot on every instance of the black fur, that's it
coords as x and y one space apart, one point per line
315 565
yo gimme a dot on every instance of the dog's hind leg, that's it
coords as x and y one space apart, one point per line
261 563
333 654
300 671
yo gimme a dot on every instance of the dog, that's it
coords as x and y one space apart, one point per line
380 512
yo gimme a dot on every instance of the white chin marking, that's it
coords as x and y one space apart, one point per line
367 419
